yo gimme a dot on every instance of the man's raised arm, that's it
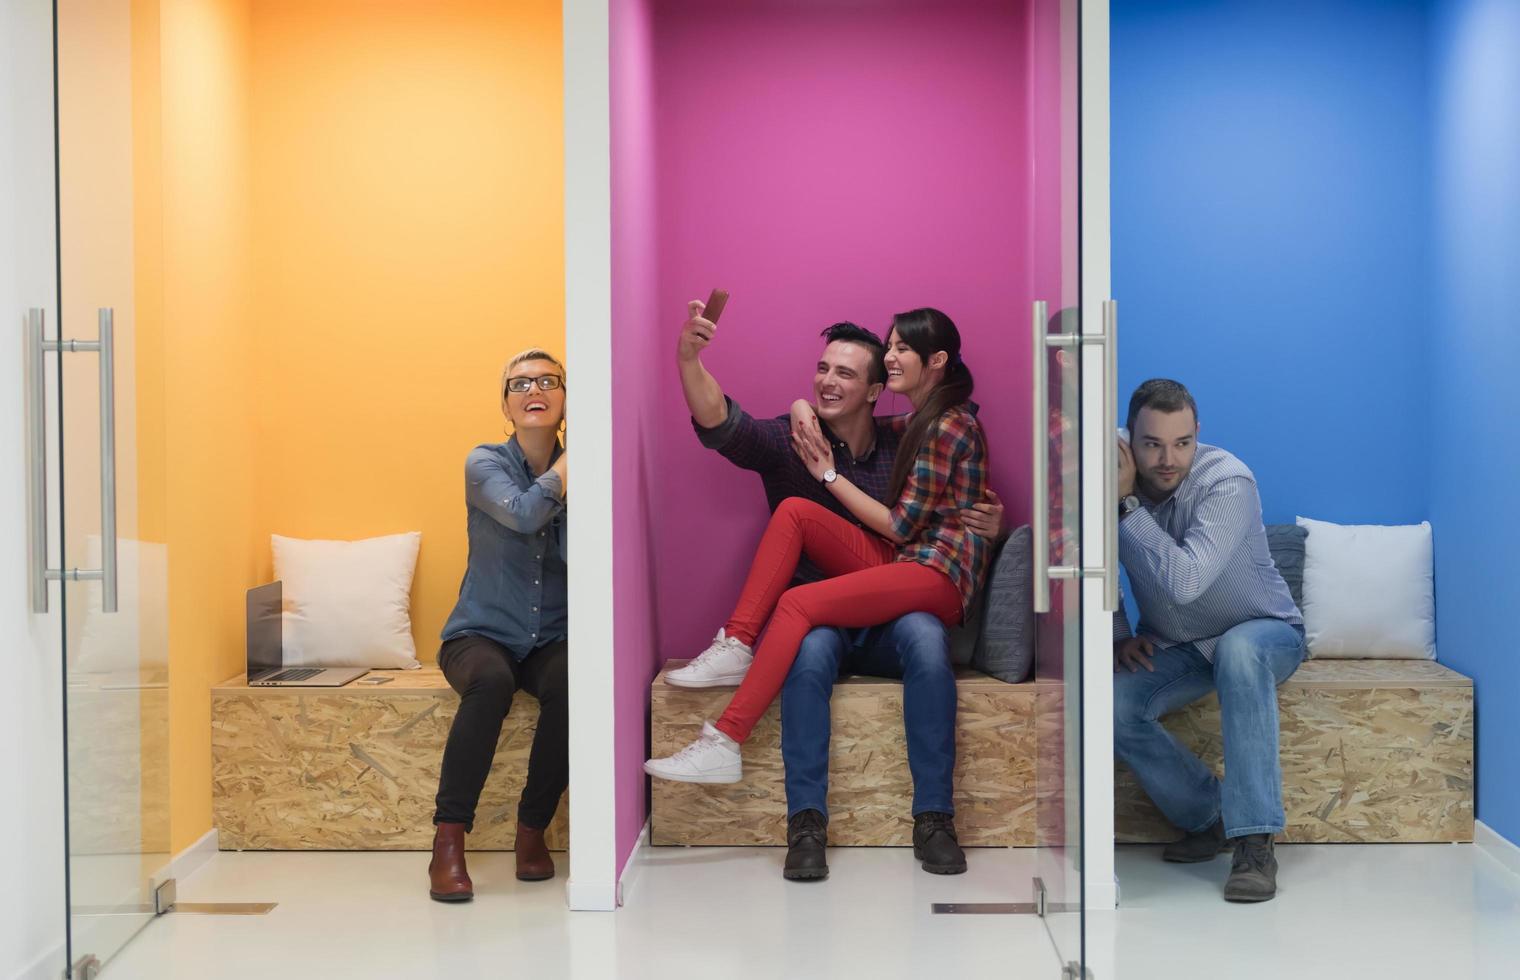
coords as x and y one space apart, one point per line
703 395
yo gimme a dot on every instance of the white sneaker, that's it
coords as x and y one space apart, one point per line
723 664
712 758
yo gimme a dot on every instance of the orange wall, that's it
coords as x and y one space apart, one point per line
407 238
209 378
361 219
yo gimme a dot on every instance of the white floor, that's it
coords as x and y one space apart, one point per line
1447 911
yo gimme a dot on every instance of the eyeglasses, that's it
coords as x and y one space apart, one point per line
520 384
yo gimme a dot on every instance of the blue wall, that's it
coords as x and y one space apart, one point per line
1270 184
1317 228
1475 334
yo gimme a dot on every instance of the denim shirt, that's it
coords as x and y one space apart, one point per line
514 589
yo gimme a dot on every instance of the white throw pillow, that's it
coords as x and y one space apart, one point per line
348 603
1369 591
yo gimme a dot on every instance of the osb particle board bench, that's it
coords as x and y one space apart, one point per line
870 789
1373 751
355 767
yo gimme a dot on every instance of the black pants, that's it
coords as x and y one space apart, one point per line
486 675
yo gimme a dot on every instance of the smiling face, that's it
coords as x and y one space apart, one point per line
535 408
907 374
1165 444
841 386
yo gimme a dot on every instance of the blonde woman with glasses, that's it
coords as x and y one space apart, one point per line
507 631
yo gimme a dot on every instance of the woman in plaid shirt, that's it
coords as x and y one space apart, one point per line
913 556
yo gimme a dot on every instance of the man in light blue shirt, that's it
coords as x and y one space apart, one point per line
1215 615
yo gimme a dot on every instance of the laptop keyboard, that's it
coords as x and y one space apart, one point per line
296 674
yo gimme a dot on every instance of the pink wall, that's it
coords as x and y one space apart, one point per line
836 162
635 356
822 161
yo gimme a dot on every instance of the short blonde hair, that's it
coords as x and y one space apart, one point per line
531 354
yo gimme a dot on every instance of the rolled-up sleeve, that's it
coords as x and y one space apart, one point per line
490 489
745 441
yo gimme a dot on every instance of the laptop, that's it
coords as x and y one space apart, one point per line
266 648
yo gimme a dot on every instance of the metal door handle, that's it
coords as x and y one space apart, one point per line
1110 455
36 462
1040 521
107 320
39 573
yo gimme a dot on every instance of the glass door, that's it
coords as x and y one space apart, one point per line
1074 405
31 628
114 562
1058 607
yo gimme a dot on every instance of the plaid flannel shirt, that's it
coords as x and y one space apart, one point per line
949 475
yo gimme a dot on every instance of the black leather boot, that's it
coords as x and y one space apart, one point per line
806 840
936 845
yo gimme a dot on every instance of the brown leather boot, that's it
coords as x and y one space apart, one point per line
448 881
533 860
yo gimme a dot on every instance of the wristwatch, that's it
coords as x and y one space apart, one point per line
829 476
1128 506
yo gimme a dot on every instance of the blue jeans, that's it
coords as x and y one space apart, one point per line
1249 662
915 649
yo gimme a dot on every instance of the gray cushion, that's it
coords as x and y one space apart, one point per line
1286 542
1005 644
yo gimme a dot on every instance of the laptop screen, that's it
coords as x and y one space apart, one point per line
264 628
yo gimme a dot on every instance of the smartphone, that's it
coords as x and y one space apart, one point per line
376 680
716 300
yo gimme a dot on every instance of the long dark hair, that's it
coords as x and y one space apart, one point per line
926 331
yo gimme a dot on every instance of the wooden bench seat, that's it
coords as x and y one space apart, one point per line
355 767
1374 751
870 790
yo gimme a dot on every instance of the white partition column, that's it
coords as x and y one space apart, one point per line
1101 889
588 345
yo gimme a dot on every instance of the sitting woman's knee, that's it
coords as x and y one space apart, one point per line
791 509
493 681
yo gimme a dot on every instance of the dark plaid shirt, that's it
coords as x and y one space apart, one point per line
765 446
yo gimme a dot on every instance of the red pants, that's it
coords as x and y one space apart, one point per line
866 588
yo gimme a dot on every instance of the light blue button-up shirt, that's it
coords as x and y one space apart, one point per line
1198 561
515 588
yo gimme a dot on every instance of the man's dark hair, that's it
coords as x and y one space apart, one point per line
1160 395
853 333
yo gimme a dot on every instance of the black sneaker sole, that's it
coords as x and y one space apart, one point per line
1248 899
805 874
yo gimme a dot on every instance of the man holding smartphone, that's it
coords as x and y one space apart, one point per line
1215 615
848 379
